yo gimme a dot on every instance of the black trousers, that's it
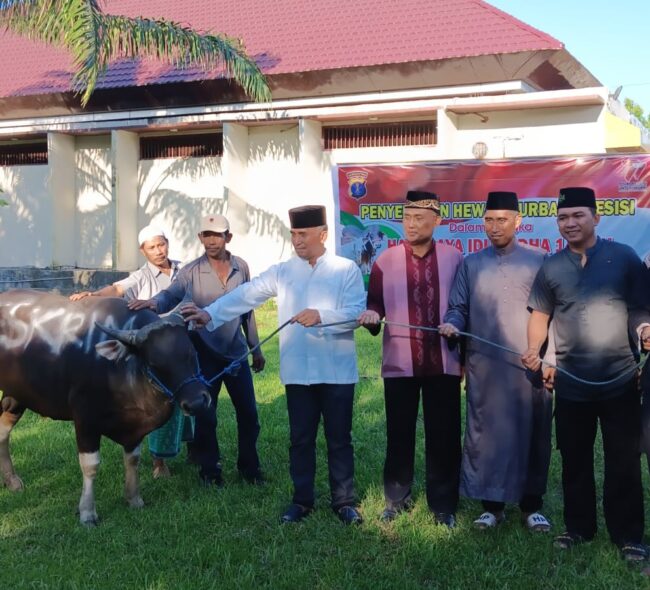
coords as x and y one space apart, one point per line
441 409
205 447
576 424
528 504
306 404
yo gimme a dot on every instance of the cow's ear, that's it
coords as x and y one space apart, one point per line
113 350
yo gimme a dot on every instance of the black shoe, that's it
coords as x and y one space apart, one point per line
445 519
388 515
295 513
568 540
255 479
212 479
349 515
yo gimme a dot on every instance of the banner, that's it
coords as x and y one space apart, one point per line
370 201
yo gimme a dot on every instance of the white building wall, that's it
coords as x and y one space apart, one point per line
26 231
93 236
174 194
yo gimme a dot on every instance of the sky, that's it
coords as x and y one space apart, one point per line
611 38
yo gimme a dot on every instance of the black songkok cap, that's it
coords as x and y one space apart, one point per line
307 216
577 196
502 200
422 200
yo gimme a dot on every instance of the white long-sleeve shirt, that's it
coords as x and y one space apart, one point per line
334 287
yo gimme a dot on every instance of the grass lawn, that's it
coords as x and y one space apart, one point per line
191 537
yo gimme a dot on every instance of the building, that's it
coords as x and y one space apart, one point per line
353 83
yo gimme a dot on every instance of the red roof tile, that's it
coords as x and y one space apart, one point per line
288 36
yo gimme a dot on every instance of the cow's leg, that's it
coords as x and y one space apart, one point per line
131 478
9 415
88 438
89 463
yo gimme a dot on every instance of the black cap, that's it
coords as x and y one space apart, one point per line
502 200
577 196
422 200
307 216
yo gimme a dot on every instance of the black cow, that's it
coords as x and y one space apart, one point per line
56 360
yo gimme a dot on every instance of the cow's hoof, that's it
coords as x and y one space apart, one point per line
14 483
89 519
136 502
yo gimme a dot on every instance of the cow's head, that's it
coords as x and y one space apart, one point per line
167 356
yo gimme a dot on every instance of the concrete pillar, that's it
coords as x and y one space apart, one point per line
234 164
61 189
125 154
315 175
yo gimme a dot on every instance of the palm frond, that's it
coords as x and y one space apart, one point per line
95 39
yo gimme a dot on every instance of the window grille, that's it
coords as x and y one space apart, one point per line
380 135
181 146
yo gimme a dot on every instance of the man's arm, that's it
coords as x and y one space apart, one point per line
537 335
375 310
114 290
457 315
239 301
353 302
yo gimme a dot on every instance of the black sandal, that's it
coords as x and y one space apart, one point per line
568 540
634 552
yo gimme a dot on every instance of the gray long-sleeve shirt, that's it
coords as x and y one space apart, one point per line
198 282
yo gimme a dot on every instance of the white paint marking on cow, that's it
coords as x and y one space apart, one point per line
131 479
89 463
9 477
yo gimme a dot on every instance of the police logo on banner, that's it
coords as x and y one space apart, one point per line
357 184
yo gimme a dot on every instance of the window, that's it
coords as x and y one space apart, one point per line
181 146
23 154
380 135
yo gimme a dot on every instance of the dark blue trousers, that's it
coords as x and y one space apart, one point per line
205 448
306 404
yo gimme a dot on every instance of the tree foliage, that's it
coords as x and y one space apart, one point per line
637 111
95 38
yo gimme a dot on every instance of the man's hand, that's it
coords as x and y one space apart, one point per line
530 359
645 338
448 330
136 304
369 318
258 361
81 295
548 377
307 317
195 316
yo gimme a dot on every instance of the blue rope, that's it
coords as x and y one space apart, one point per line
233 367
629 371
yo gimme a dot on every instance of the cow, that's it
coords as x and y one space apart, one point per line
112 371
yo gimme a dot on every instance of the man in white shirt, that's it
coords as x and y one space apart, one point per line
317 364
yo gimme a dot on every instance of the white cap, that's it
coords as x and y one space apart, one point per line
149 233
216 223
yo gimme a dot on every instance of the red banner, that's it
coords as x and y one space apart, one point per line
370 201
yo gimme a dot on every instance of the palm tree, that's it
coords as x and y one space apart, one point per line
95 39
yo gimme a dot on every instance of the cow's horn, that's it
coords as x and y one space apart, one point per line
128 337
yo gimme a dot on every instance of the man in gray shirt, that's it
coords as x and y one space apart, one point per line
592 289
155 274
202 281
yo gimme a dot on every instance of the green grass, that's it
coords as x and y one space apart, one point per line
190 537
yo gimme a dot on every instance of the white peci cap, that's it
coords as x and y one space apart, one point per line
148 233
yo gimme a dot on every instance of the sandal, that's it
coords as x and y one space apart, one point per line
489 520
567 540
537 522
634 552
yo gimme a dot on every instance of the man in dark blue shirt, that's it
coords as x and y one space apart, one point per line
202 281
592 290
